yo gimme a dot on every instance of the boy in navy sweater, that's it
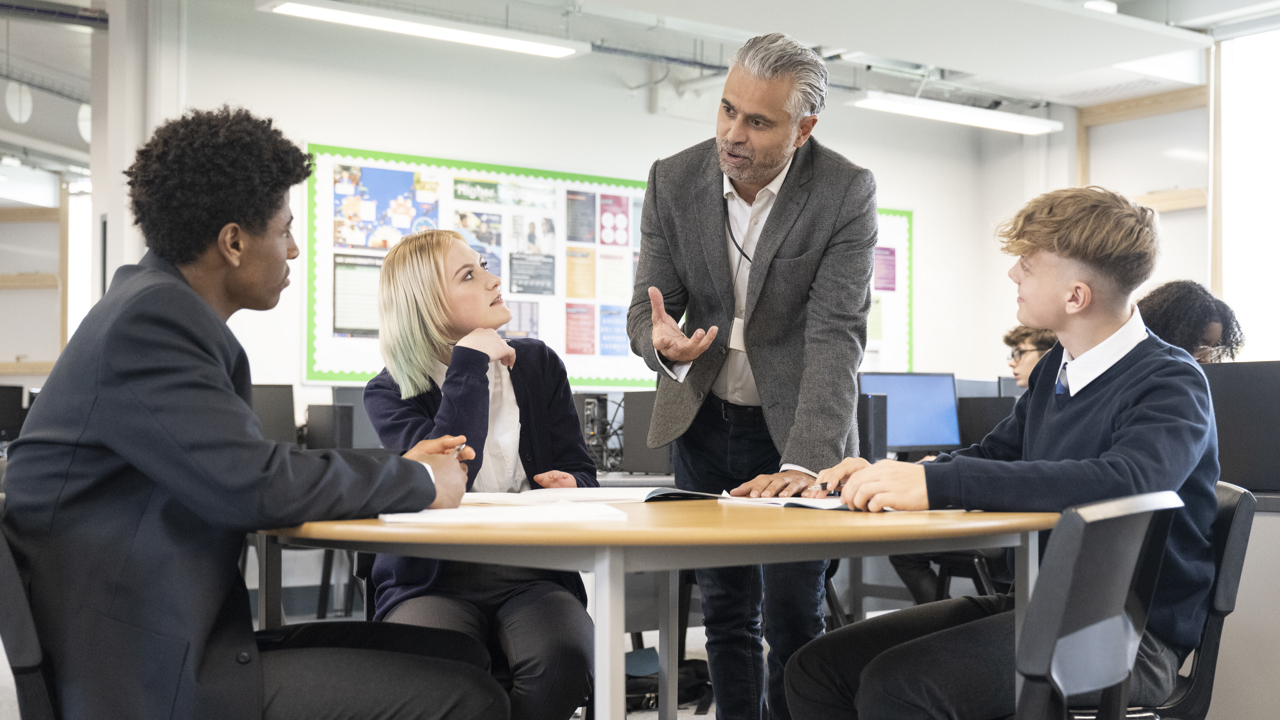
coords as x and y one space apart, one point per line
1111 411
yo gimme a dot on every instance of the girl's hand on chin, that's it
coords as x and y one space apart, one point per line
487 341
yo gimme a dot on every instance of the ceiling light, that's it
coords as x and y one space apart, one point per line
10 161
952 112
1105 6
374 18
1187 154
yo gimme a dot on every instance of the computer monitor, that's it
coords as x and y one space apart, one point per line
921 409
273 405
1246 405
637 456
1009 387
11 412
362 433
980 415
977 388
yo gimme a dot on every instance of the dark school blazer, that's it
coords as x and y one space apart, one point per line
550 439
129 493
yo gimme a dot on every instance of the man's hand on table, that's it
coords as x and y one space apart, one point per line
449 470
783 484
668 338
556 479
863 486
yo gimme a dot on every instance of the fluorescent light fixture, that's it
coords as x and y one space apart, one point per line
373 18
952 112
1186 154
10 161
1105 6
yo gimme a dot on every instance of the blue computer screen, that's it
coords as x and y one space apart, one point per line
921 409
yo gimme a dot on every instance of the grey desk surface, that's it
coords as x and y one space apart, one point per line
1268 502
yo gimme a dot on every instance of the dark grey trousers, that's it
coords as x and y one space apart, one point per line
368 671
951 659
539 634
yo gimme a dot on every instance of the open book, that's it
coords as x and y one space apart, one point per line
548 496
827 503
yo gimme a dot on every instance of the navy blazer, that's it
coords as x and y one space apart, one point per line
550 439
129 493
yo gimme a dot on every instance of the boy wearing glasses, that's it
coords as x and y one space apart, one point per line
1027 346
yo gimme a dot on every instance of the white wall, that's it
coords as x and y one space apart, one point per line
341 86
32 321
1160 153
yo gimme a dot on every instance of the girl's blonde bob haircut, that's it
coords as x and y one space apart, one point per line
413 313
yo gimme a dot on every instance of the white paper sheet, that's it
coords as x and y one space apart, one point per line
561 512
547 496
814 503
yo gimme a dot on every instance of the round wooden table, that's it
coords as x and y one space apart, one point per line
665 537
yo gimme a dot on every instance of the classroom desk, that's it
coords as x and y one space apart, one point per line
665 537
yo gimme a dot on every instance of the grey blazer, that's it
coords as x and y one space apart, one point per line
807 298
130 490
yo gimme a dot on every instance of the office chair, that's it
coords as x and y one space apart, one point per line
1231 528
1089 611
972 564
18 632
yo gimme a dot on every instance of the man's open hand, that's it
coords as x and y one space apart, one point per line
669 340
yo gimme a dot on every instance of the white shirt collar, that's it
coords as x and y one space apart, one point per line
436 370
1098 359
772 188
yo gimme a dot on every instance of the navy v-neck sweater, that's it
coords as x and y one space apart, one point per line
1144 425
550 439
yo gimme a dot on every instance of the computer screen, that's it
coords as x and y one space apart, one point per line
362 433
1246 405
273 405
921 409
11 412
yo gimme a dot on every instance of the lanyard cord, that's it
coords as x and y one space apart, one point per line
729 226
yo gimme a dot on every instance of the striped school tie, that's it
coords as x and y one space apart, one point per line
1061 387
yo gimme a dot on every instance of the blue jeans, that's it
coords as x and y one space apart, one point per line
715 455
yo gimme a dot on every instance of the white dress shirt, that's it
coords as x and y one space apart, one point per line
736 383
1098 359
500 469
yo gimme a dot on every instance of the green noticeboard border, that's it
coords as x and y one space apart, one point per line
911 281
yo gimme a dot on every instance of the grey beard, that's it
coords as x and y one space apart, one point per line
754 173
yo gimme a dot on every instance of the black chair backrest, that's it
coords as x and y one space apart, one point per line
1089 608
18 632
1231 528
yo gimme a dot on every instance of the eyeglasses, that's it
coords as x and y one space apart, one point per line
1019 353
1206 354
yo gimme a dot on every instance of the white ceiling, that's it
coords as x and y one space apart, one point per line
1048 48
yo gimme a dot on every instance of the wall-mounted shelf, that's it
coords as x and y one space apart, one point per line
1170 200
26 368
29 214
29 281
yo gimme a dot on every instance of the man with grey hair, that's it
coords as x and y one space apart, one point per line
767 235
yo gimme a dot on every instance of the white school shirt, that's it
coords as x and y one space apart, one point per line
736 383
1098 359
501 470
